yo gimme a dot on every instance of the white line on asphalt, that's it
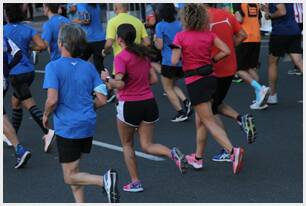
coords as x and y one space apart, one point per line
120 149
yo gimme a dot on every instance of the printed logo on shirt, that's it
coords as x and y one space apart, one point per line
74 63
226 21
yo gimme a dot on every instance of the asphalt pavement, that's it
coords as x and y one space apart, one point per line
272 172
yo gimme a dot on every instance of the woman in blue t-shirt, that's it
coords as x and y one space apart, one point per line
166 29
22 75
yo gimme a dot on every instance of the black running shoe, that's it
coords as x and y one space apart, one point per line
248 126
110 180
188 108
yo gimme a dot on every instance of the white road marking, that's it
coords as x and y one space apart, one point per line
120 149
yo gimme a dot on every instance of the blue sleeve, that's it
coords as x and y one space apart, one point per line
33 32
83 14
158 31
47 33
51 80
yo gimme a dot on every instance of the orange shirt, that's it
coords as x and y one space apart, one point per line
225 26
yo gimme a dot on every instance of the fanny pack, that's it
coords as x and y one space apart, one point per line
201 71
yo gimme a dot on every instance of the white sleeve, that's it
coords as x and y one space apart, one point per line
13 46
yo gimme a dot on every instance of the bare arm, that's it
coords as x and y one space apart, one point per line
240 37
152 76
238 17
100 100
176 55
39 44
116 83
146 41
159 44
50 105
224 50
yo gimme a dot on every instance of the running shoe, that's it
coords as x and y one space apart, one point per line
237 159
133 187
179 158
294 71
255 106
263 96
237 79
48 140
179 118
5 139
223 156
110 186
191 160
273 99
22 156
248 126
188 108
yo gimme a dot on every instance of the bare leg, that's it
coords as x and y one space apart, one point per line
253 74
9 131
146 141
179 93
169 89
208 119
201 137
77 179
272 73
228 111
126 134
297 60
245 76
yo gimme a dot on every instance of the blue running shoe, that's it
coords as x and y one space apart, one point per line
133 187
22 156
223 156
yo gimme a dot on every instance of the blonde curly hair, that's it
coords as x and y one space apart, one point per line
194 17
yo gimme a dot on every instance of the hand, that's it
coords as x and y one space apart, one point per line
46 122
265 8
104 74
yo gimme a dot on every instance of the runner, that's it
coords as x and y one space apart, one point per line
51 29
89 18
195 45
22 75
285 38
11 57
70 82
248 52
165 32
137 107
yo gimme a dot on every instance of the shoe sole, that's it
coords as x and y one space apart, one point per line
180 120
48 149
240 161
261 108
113 193
24 160
223 160
133 190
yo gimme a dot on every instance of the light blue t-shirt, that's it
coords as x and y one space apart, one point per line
75 80
50 34
285 25
94 29
167 31
21 34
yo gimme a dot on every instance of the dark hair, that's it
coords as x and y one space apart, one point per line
128 33
14 13
76 43
166 12
53 7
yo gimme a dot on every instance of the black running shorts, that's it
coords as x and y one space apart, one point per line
247 55
95 49
279 45
202 90
223 85
133 113
70 150
21 84
172 72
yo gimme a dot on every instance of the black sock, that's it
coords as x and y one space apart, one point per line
238 118
37 116
17 118
198 158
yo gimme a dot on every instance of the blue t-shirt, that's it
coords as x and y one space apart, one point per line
167 31
50 34
21 34
75 80
94 29
285 25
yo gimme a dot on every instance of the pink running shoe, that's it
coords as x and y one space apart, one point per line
133 187
191 160
237 158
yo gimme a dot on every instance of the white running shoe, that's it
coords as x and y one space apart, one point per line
272 99
48 140
263 95
5 139
256 106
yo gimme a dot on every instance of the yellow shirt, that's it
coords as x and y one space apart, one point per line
124 18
